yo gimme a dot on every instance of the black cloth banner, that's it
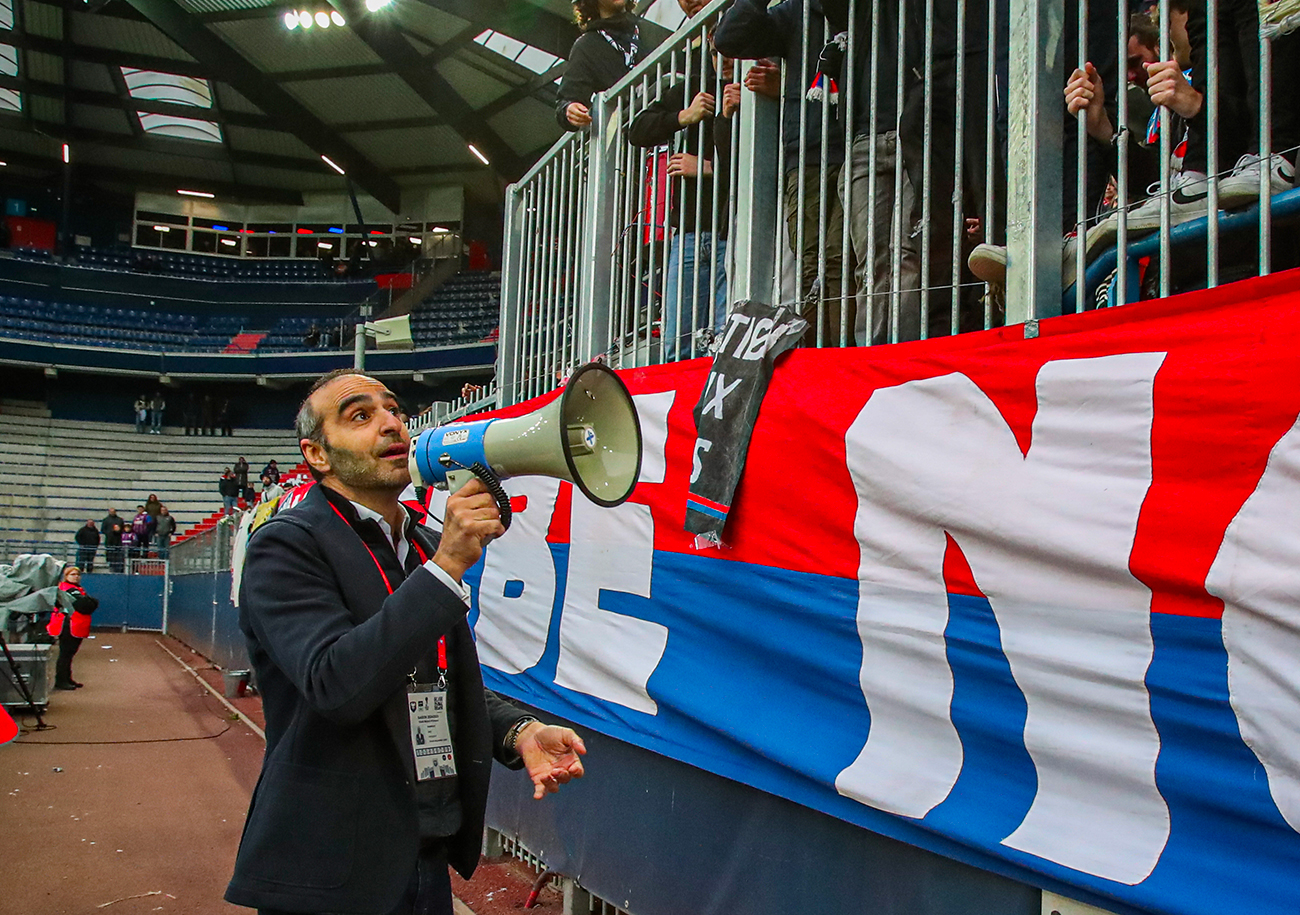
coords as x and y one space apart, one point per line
756 334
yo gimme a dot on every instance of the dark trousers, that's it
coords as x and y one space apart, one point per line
86 557
1239 85
116 557
428 893
68 645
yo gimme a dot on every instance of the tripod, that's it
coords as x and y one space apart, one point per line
20 681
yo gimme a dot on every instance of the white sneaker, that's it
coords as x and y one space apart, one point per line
989 263
1187 201
1242 186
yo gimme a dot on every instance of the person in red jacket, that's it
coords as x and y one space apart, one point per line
71 628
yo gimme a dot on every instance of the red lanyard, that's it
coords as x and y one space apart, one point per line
442 639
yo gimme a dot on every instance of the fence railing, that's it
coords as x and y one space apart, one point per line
206 551
921 177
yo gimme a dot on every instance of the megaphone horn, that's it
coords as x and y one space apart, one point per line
589 435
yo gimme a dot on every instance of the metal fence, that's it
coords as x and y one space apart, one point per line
206 551
902 169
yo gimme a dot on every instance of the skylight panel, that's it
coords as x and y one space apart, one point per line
520 52
167 87
10 99
166 125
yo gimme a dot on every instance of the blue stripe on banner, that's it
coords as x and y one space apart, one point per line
759 683
705 509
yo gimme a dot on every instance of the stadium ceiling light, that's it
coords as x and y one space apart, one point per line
162 228
338 18
291 20
332 164
3 164
373 5
416 240
182 191
67 155
305 20
229 241
324 244
482 158
323 20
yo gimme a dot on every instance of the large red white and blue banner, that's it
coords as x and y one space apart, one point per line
1032 604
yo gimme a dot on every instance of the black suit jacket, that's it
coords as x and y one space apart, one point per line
333 822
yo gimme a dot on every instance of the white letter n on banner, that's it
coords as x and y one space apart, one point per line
1048 535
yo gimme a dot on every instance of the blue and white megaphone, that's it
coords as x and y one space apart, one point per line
589 435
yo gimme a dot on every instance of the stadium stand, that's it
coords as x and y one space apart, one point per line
464 309
55 474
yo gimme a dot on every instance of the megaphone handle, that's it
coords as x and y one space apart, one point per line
493 484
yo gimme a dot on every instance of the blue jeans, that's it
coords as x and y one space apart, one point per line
682 256
157 419
229 503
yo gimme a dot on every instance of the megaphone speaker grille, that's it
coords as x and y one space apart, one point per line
605 463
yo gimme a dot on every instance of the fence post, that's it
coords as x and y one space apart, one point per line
1035 159
512 262
754 261
595 264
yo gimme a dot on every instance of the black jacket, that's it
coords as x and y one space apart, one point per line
595 63
228 486
87 536
333 823
112 526
657 124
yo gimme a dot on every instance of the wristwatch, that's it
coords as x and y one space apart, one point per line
512 735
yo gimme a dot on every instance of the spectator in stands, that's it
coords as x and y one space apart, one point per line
469 389
191 413
223 418
272 471
87 545
240 471
112 527
157 407
695 294
311 339
142 527
71 627
750 31
166 526
141 408
209 425
608 48
229 489
153 506
271 489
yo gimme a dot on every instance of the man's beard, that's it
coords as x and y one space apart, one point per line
353 470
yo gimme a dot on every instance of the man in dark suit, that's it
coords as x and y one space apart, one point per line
355 619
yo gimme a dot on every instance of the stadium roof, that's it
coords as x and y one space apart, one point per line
223 95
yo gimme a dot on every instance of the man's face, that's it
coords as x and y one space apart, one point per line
691 7
365 444
1139 54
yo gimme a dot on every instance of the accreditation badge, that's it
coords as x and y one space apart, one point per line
430 732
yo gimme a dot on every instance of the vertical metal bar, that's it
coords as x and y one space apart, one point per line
756 190
781 243
546 340
593 317
801 203
643 286
658 276
539 285
1035 153
848 284
1212 140
895 286
991 166
822 202
1120 286
1081 160
873 163
1265 155
625 319
1166 153
719 169
702 82
927 169
511 259
679 189
565 289
528 259
670 193
959 172
607 312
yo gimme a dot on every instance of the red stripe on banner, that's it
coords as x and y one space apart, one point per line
709 503
957 576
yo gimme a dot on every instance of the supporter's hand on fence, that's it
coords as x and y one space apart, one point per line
1084 92
470 521
684 165
700 108
1167 86
765 79
730 99
578 114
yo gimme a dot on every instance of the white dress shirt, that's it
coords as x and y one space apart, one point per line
402 547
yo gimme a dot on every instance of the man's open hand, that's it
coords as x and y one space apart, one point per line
551 754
